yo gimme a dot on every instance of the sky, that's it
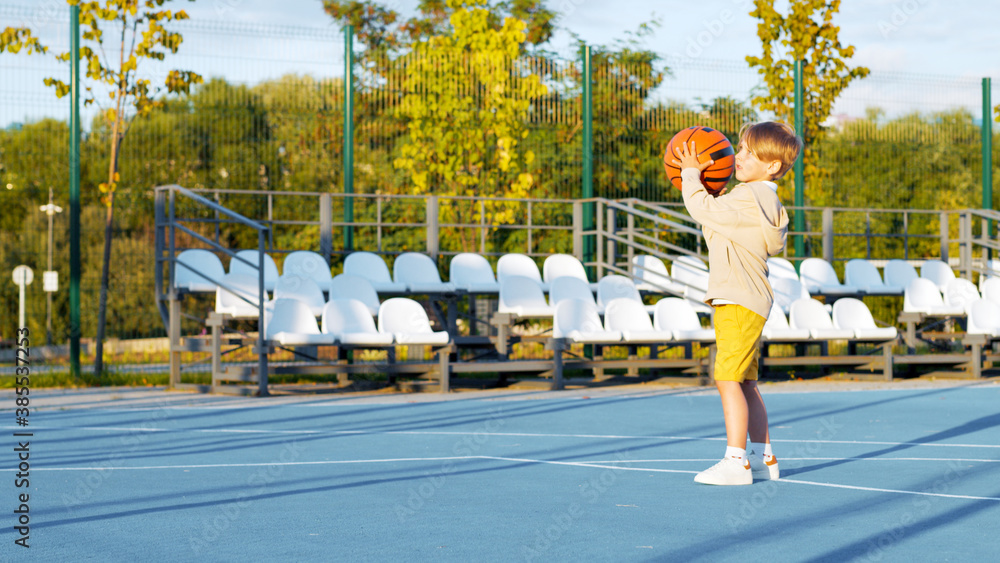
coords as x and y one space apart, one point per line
949 37
924 54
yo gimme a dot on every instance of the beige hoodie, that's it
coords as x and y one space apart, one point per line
742 229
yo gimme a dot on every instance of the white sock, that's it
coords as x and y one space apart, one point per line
736 453
767 450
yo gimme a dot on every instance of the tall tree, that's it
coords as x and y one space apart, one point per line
466 109
137 32
808 34
383 31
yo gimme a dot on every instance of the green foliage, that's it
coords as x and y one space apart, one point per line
807 33
466 107
13 39
138 32
382 31
904 159
32 160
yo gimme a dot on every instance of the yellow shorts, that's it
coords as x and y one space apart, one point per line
737 338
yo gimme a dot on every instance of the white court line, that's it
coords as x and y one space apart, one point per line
878 490
476 432
797 482
498 458
267 464
806 459
587 463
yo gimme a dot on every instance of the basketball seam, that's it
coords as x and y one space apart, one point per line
713 144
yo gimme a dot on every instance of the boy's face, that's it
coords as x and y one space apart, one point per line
749 168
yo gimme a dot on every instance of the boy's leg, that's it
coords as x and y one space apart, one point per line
762 461
735 412
737 335
737 332
756 413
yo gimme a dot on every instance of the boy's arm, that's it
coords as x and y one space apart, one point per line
712 212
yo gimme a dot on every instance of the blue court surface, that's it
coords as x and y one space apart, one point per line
891 472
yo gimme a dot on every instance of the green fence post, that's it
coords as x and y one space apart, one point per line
800 130
987 145
987 131
349 137
74 193
587 191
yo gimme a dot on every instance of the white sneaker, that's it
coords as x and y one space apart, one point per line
726 472
763 470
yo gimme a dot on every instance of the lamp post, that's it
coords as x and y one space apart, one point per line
50 279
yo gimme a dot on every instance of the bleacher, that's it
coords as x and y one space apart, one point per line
642 302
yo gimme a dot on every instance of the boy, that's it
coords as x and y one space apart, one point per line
742 229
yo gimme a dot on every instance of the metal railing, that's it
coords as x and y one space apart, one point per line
168 223
978 240
628 227
379 215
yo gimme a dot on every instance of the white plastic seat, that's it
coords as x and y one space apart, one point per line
778 267
923 296
577 321
472 273
198 264
991 290
233 293
564 288
776 328
862 274
615 287
787 291
984 318
899 273
301 289
523 298
519 265
308 264
350 286
372 267
691 273
819 277
853 314
419 273
938 272
564 265
350 323
677 316
630 318
960 292
237 266
291 323
651 274
812 316
407 321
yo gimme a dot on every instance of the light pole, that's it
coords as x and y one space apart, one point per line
50 279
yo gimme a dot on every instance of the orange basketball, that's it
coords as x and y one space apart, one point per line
709 145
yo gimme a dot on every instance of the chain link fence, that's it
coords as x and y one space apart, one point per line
270 116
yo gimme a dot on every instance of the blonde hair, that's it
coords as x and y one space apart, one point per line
771 141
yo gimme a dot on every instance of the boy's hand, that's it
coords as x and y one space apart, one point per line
688 159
